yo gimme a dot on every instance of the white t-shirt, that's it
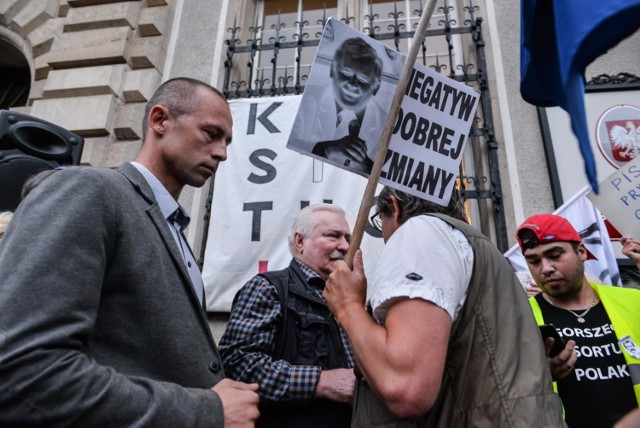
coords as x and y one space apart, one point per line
425 258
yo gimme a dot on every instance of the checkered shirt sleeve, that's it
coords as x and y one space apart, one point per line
249 340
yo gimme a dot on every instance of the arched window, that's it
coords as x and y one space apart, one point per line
15 76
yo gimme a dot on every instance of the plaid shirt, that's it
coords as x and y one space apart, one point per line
249 340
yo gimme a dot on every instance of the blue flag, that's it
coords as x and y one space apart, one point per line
559 38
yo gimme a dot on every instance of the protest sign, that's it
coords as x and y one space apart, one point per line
258 191
345 104
619 198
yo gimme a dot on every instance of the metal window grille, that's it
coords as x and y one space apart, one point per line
462 58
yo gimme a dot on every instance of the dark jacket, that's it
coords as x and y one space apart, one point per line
308 335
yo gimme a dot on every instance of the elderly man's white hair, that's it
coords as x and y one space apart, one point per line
306 221
5 217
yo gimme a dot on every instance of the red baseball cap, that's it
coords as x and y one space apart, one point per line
548 228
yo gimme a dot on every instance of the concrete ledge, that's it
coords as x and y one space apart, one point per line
147 52
35 92
77 82
153 21
139 85
81 3
35 14
91 47
86 116
128 124
42 67
102 16
63 9
9 9
42 37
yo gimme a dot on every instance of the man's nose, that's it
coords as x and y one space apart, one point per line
547 266
219 151
343 245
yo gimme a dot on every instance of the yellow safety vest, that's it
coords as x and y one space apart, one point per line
623 308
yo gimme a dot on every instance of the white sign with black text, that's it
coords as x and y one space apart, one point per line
346 103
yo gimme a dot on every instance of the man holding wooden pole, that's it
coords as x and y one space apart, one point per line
450 342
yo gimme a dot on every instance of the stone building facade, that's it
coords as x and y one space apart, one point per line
93 64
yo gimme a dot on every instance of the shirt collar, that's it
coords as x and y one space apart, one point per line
310 275
171 210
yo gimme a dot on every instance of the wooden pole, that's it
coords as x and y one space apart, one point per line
369 192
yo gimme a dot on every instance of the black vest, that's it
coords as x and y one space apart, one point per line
308 335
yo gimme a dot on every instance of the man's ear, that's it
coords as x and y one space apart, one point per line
397 211
582 252
297 242
158 117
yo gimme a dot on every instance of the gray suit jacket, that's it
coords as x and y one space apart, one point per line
99 323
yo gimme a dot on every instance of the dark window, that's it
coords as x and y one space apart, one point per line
15 76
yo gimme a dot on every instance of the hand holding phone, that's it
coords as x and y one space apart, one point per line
549 330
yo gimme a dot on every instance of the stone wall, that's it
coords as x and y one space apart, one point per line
95 64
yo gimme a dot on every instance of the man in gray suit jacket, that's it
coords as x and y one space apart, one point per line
101 303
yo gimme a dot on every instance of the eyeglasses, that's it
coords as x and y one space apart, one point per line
376 221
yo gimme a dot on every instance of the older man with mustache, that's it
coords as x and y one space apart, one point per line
282 336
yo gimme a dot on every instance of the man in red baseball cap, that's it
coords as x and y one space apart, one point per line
545 228
598 371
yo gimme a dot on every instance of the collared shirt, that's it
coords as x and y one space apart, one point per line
249 340
177 220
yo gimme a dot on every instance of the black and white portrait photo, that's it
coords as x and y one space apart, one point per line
345 103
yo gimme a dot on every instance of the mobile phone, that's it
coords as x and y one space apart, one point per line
549 330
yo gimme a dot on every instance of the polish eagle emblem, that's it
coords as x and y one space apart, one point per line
625 140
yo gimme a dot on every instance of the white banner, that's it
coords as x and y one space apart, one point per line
345 107
589 223
257 193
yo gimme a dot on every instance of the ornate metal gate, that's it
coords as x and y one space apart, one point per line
244 79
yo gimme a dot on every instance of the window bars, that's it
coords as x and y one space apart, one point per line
263 65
